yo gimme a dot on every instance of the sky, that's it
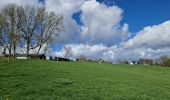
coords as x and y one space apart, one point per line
139 13
110 29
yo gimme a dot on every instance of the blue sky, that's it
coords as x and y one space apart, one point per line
110 29
138 13
141 13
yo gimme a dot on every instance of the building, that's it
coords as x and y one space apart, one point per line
133 62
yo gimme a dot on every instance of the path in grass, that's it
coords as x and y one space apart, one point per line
34 79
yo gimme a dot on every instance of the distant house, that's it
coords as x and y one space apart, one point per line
100 61
133 62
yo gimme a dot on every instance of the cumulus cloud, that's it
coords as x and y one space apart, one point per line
102 34
155 37
101 24
67 8
113 53
151 42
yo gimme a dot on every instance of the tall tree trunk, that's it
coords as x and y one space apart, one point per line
39 49
10 50
14 50
28 48
12 34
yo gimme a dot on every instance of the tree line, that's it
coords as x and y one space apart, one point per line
163 60
28 27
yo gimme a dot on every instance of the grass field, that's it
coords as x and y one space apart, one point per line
46 80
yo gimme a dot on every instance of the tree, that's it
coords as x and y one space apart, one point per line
9 22
18 26
3 42
50 25
40 27
11 25
1 33
163 59
125 62
30 21
6 34
82 58
167 62
30 26
4 52
67 52
146 61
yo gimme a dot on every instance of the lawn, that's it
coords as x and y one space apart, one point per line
43 80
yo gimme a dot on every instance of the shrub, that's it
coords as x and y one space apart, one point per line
167 62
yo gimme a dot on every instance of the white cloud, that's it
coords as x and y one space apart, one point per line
113 53
19 2
102 32
155 37
102 23
67 8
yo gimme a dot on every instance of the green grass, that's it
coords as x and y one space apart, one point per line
49 80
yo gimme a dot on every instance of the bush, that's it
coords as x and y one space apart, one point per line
34 56
167 63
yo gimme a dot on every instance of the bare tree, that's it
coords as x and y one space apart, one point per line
6 30
18 27
50 25
82 58
10 22
3 42
11 16
163 59
30 25
30 21
67 52
1 33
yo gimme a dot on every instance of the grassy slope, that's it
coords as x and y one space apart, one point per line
82 81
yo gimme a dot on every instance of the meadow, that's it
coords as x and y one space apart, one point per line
42 80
